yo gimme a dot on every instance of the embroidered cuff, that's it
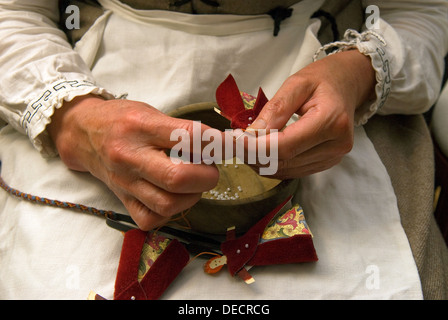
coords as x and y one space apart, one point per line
373 45
38 112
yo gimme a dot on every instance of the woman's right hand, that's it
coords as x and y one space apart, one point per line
123 143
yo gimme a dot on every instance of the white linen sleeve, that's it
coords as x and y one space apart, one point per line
407 48
39 70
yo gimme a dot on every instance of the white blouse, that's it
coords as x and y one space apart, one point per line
356 236
39 69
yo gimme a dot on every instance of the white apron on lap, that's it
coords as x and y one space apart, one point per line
168 60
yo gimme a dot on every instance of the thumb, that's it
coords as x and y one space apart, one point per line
277 111
196 140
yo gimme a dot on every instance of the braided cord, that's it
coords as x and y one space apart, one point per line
56 203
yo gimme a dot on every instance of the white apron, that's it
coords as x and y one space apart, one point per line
168 60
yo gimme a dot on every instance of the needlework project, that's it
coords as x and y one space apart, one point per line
151 260
278 238
240 108
288 224
153 247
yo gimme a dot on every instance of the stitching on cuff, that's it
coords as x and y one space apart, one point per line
383 89
372 44
33 108
352 39
38 112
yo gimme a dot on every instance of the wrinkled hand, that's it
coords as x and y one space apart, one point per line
325 95
123 144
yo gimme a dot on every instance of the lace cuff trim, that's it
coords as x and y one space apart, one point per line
373 45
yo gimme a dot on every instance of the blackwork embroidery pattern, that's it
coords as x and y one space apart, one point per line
34 106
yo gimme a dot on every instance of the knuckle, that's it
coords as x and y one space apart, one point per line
143 224
344 130
275 105
343 124
165 206
295 79
303 80
173 178
185 125
131 119
142 215
346 146
115 153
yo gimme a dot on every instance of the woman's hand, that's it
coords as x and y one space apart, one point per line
123 143
325 95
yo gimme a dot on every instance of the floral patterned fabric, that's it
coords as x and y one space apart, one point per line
152 248
289 224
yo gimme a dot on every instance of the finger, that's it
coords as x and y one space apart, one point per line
176 177
315 127
306 170
144 218
326 151
150 206
190 136
161 201
316 159
309 136
293 93
262 150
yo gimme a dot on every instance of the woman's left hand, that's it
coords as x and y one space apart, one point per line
325 95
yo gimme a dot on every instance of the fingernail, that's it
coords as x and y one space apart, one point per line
258 124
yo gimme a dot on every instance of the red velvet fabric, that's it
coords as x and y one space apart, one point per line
232 107
260 102
240 251
261 225
246 250
229 98
299 248
164 270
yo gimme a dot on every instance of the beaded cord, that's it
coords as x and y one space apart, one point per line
57 203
